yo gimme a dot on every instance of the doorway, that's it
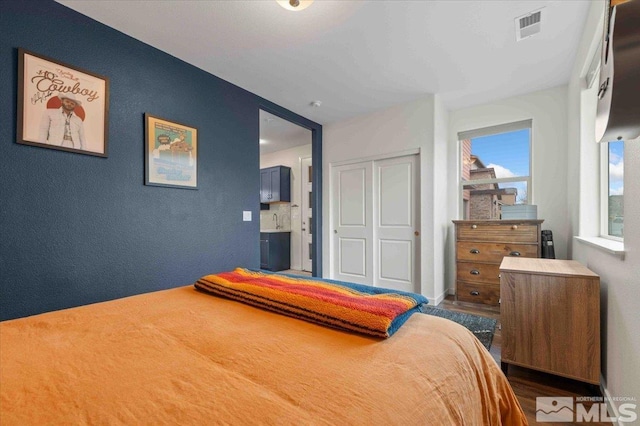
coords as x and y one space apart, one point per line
287 148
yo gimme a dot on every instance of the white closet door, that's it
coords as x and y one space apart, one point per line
376 223
396 227
352 223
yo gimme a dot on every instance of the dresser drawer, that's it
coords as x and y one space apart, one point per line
482 244
479 272
493 252
498 232
488 294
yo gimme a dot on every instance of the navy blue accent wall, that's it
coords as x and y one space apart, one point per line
78 229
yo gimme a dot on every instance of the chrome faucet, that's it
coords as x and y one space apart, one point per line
275 217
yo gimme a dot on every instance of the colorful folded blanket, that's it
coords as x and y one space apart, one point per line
364 309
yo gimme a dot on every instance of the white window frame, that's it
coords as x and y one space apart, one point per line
488 131
604 193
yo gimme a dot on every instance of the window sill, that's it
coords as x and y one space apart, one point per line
609 246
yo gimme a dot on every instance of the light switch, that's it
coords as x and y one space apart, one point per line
246 216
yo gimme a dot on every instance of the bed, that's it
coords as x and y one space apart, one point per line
182 356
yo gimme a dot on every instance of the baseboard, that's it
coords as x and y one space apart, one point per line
612 410
437 300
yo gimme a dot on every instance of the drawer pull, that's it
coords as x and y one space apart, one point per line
514 227
474 251
474 293
474 272
474 226
514 253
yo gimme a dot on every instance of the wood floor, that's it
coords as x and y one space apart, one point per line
527 384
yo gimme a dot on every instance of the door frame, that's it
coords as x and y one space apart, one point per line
316 162
303 196
386 156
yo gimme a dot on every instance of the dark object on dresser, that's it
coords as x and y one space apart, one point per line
548 252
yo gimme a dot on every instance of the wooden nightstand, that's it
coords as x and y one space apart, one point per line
550 315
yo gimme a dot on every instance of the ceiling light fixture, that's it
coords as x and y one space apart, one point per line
295 5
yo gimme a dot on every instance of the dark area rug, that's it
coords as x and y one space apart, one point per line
481 327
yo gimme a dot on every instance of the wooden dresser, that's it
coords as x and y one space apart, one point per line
550 315
480 247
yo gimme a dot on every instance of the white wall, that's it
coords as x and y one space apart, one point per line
442 188
410 126
619 278
291 158
548 111
584 158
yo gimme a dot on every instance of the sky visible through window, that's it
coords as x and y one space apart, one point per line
616 189
508 154
616 168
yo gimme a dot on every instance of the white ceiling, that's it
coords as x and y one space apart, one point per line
359 56
277 134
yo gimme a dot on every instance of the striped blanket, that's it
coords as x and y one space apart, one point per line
364 309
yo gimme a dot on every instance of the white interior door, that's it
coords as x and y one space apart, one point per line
352 223
306 177
375 217
396 233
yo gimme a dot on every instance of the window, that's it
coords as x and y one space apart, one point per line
612 189
496 169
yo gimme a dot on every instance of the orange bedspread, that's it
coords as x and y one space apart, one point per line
184 357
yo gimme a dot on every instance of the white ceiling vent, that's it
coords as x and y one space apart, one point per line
529 25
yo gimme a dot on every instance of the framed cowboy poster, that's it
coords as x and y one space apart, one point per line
171 153
61 106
